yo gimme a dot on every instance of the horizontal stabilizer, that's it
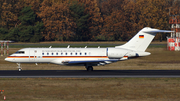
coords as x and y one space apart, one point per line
158 31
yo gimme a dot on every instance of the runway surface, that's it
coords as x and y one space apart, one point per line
86 74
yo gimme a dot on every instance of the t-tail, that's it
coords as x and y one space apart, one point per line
142 39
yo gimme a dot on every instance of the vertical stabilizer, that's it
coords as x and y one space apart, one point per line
142 39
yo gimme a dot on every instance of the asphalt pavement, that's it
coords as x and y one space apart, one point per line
87 74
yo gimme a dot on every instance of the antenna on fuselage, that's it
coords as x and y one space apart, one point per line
50 46
85 47
68 46
98 46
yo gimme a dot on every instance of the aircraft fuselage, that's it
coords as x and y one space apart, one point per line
62 55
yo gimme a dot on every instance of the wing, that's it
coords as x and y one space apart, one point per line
91 62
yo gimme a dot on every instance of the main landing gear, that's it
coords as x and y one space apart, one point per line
19 67
89 68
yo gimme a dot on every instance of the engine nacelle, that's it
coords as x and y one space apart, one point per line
116 52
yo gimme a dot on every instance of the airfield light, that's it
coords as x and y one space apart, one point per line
4 97
6 49
1 48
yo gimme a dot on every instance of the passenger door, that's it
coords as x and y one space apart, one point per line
31 55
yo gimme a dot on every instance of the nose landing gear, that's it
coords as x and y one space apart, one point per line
19 67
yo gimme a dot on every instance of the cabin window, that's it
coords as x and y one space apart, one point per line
66 53
85 53
76 53
47 53
20 52
42 53
80 53
56 53
71 53
61 53
52 54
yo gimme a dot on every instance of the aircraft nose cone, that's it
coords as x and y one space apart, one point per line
6 59
9 59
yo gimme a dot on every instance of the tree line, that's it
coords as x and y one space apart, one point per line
82 20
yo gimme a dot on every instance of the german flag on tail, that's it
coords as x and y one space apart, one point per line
141 36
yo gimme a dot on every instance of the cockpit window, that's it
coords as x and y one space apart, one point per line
20 52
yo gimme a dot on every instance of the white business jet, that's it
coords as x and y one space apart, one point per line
87 57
